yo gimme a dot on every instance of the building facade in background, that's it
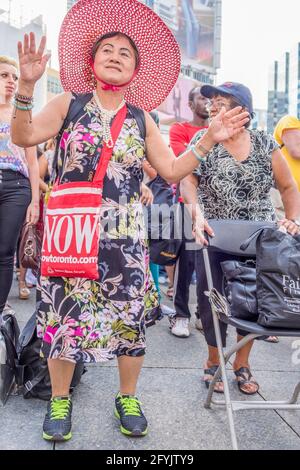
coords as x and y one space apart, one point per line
11 31
284 87
54 86
260 119
196 25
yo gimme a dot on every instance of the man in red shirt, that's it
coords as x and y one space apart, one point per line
180 137
181 133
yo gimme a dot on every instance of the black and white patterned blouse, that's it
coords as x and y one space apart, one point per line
228 189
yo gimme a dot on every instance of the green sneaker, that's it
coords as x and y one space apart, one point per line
132 420
57 424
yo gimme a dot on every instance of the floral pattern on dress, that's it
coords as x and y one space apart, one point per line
92 321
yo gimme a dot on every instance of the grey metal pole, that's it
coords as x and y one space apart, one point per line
221 354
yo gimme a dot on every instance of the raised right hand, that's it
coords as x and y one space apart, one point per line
32 62
227 124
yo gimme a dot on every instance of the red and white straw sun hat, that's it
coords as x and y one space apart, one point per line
88 20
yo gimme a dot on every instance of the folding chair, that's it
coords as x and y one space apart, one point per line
229 235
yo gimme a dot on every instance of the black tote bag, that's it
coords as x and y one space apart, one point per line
278 279
164 222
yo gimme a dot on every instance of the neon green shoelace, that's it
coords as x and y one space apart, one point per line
130 406
59 408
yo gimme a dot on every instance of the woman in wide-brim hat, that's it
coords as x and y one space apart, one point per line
118 50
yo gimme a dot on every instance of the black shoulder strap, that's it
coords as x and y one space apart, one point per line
139 116
76 105
30 384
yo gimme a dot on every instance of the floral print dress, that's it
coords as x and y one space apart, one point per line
92 321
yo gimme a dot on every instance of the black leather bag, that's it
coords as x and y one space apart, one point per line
32 371
239 288
9 333
278 279
164 221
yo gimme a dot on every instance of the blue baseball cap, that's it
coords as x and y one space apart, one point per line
240 92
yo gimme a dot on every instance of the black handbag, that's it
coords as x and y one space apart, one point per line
9 333
32 374
239 288
164 223
278 279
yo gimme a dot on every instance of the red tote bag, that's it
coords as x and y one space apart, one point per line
72 223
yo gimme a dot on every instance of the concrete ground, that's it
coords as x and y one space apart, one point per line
172 394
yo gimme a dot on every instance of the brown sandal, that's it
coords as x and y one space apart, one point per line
24 292
244 377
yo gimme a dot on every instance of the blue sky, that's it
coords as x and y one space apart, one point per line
255 32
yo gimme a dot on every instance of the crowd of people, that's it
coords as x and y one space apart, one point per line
222 168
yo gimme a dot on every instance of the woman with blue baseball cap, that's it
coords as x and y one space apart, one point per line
235 91
233 181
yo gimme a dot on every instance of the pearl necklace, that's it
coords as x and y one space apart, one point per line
106 116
